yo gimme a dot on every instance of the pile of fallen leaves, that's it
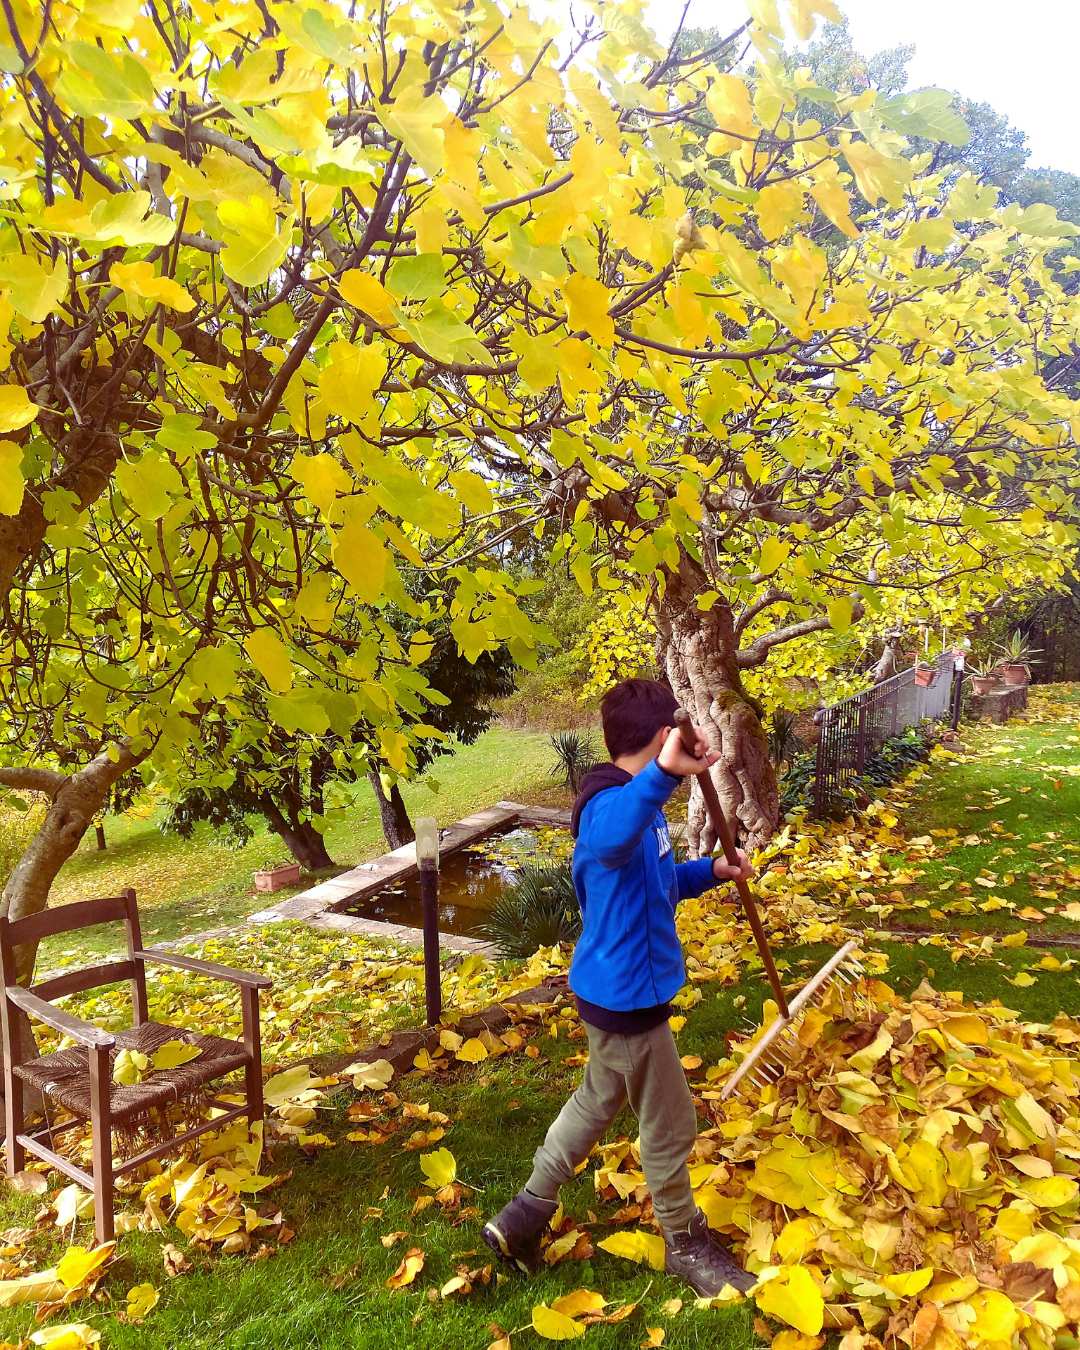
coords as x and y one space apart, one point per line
910 1179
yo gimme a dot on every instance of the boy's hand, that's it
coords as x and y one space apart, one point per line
673 758
722 870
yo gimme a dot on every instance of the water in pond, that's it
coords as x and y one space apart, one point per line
470 882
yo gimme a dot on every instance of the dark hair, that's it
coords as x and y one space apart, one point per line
633 712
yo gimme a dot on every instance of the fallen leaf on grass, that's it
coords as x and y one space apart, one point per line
654 1338
579 1302
140 1300
28 1183
374 1075
283 1087
72 1336
412 1263
440 1167
43 1286
644 1248
174 1260
79 1265
554 1325
72 1203
473 1051
389 1240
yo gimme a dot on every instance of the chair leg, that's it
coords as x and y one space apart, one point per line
101 1126
253 1083
13 1122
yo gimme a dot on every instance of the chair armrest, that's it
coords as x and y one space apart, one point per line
83 1032
209 968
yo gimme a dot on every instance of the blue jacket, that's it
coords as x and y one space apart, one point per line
628 885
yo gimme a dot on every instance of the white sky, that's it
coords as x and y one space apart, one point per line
1019 58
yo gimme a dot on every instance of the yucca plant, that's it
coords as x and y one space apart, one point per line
575 755
1017 650
539 910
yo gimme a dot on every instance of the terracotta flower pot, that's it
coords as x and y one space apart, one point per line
1014 674
276 878
925 676
983 684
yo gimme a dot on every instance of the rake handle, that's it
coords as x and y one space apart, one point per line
727 842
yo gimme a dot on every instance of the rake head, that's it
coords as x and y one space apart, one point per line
767 1060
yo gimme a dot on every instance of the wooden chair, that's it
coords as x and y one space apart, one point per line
81 1078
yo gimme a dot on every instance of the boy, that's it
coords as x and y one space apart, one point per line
627 965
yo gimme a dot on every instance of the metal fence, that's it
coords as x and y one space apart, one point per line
856 728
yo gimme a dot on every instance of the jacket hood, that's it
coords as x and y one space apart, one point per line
598 779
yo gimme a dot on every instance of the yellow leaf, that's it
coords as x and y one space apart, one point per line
473 1051
79 1264
374 1075
796 1340
793 1297
366 292
16 410
174 1053
451 1040
271 659
415 122
412 1263
555 1326
139 279
779 206
774 551
283 1087
11 478
439 1167
654 1338
580 1301
361 557
129 1067
876 174
42 1286
587 301
140 1300
644 1248
804 16
70 1204
908 1282
1022 980
70 1336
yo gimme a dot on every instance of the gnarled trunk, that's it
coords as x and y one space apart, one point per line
697 651
397 827
76 799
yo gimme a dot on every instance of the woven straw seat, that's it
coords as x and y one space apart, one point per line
65 1075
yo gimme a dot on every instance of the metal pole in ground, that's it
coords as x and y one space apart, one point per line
427 857
958 686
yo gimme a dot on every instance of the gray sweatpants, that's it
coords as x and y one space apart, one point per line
643 1070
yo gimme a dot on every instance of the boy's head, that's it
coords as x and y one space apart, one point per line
635 715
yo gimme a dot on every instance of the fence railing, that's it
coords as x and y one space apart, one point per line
856 728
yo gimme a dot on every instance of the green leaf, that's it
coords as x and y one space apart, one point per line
149 483
927 112
215 669
840 611
97 83
419 278
414 121
301 710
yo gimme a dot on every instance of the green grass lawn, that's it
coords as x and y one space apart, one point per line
1002 824
186 886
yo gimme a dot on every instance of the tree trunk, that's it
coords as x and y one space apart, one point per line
76 799
397 827
698 653
99 834
300 837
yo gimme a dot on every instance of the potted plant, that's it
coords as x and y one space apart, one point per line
925 675
273 876
1016 652
983 677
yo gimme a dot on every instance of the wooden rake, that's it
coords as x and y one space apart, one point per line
766 1060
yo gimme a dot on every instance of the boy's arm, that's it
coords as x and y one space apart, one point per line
620 816
694 878
702 874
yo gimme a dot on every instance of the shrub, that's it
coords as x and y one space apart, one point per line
539 910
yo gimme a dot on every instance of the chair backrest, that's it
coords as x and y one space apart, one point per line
68 919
